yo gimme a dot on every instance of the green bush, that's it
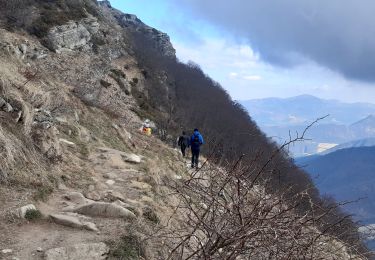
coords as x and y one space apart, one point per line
33 214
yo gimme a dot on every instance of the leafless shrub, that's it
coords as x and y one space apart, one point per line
29 74
228 215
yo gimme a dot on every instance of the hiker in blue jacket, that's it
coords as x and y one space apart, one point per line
196 141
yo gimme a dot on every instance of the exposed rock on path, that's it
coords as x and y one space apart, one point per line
103 209
94 251
74 222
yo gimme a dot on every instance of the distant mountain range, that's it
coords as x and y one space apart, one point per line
304 109
347 174
326 133
281 119
368 142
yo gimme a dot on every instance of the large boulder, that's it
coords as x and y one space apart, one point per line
103 209
92 251
21 212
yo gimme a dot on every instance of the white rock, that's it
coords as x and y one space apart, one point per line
103 209
7 251
91 251
8 108
110 182
131 158
23 48
76 197
74 222
126 157
19 116
22 211
66 142
90 226
39 249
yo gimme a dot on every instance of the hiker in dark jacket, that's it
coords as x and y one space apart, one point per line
196 141
183 142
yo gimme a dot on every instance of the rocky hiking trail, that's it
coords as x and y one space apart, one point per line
79 224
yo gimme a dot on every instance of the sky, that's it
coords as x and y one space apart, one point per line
259 49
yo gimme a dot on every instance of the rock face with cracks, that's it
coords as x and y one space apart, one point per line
72 35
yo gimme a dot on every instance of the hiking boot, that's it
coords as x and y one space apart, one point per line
192 166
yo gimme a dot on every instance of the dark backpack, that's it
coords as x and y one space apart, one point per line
196 142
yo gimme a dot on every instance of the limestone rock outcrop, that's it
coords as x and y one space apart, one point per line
73 35
130 21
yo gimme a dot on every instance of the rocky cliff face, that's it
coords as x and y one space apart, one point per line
130 21
73 35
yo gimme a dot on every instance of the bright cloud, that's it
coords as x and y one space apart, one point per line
253 77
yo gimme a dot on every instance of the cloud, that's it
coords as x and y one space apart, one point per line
336 34
216 53
252 77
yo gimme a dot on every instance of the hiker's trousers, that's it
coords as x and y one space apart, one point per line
194 157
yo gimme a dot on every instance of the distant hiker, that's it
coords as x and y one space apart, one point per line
183 142
146 127
196 141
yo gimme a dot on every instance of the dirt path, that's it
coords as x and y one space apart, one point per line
117 179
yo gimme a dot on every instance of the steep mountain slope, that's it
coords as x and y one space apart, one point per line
346 174
77 80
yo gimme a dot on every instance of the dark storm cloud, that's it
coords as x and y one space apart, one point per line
338 34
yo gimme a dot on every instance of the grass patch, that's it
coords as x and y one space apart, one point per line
42 193
99 125
128 248
33 214
150 215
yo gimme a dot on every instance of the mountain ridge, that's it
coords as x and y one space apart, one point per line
311 108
